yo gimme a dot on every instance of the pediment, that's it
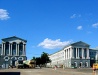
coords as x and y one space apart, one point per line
13 39
80 44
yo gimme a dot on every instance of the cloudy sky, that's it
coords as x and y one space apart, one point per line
49 25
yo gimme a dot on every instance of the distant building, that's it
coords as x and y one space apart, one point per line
93 56
12 49
74 55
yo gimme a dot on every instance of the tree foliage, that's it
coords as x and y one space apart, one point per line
42 60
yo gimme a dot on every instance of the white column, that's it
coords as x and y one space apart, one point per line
76 53
88 53
2 49
16 48
25 49
66 53
82 53
70 53
9 49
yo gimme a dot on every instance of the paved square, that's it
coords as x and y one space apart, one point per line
50 71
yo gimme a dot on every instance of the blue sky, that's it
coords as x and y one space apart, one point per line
49 25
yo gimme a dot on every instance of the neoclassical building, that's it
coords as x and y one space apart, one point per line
74 55
12 49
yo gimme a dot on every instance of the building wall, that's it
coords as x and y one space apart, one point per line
93 52
0 49
68 56
93 56
0 54
13 50
57 58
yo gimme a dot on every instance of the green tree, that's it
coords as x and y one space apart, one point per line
34 58
38 61
44 58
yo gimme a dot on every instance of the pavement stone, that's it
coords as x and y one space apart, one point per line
50 71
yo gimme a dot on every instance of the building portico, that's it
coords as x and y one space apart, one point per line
13 49
76 52
73 55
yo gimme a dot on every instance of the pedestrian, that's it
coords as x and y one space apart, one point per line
94 70
55 67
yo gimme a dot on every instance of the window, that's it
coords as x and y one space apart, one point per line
75 52
75 64
14 52
86 64
20 52
7 48
0 51
20 62
90 53
6 52
14 48
80 52
85 53
20 48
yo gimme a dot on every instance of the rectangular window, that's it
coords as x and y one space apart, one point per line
20 52
14 52
85 53
6 51
75 52
0 51
80 52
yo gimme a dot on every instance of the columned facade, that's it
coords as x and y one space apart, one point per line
75 55
13 50
10 49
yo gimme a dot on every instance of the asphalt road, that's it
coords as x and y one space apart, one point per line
50 71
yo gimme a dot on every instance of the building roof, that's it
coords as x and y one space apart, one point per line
4 39
94 49
83 43
72 44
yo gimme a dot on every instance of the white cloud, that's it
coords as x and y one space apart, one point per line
75 16
53 44
4 14
95 25
79 27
